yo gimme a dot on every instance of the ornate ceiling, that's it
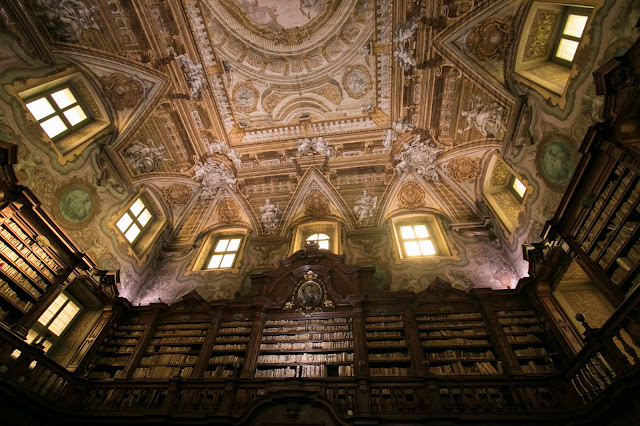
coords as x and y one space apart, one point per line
221 108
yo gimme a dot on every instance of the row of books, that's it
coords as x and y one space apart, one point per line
386 343
606 212
614 247
26 268
178 328
161 372
112 360
127 333
219 373
538 350
152 349
190 332
281 359
122 342
388 356
383 318
234 330
10 294
456 333
35 248
315 328
17 277
519 320
342 320
235 323
226 359
169 359
378 334
306 345
369 325
446 317
389 371
233 338
532 367
523 329
458 368
457 324
311 370
308 336
456 341
527 338
230 347
520 313
179 340
456 354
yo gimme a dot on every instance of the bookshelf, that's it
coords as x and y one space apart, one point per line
115 353
229 349
387 349
26 269
306 347
172 351
529 340
457 344
610 233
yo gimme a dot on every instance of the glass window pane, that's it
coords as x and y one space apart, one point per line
52 310
519 187
567 49
53 126
124 222
407 232
421 231
63 98
214 263
234 244
412 249
132 233
64 318
221 246
575 25
144 217
313 237
323 244
323 237
137 207
40 108
227 260
75 115
427 248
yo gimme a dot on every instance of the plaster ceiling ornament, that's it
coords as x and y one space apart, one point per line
316 204
420 157
365 208
490 39
388 136
228 211
177 194
309 295
313 146
270 216
221 148
406 31
403 58
357 81
411 195
213 177
402 125
77 203
144 158
556 161
67 19
123 92
487 118
463 169
245 97
195 74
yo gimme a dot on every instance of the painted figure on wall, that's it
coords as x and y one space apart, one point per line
365 207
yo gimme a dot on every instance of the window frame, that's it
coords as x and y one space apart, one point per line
212 251
42 330
328 239
135 221
417 239
46 94
570 10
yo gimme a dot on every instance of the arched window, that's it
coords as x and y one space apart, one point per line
323 240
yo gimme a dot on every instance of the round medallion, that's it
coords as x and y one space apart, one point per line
75 205
309 294
357 82
556 162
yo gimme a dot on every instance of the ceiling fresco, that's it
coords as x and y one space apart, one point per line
264 115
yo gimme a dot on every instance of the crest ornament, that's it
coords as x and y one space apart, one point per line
316 204
420 157
411 196
228 211
309 296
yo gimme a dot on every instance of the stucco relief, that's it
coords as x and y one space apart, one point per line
228 211
356 81
463 169
245 97
123 91
490 39
411 195
67 19
540 35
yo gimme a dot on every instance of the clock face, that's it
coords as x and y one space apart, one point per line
309 294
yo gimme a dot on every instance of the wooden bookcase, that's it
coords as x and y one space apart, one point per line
529 340
297 346
229 349
387 349
26 268
457 344
116 350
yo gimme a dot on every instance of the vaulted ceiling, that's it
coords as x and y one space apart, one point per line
218 105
